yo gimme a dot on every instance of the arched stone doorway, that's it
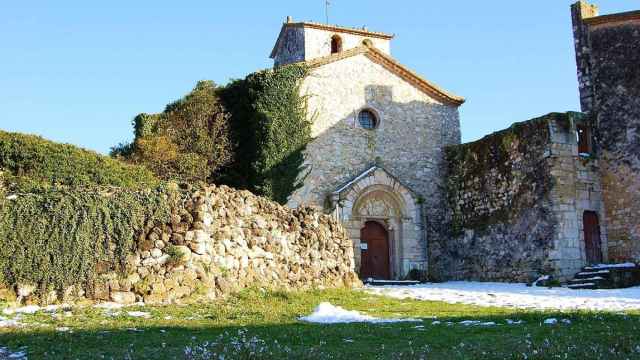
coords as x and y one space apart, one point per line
376 197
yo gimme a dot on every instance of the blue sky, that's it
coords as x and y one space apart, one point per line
79 71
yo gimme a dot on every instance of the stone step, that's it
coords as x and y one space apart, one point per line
587 285
599 267
591 274
606 276
374 282
587 279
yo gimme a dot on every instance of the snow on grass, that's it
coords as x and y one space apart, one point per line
141 314
326 313
29 309
623 265
517 296
4 322
5 353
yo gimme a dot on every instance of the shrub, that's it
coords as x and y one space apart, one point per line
47 162
189 141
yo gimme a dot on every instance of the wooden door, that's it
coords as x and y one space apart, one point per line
374 261
592 237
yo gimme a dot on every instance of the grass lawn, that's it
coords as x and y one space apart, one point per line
263 325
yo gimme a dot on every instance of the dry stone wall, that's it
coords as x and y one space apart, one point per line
220 240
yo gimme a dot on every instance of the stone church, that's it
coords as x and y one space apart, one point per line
386 160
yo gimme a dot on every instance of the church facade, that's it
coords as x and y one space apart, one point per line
379 131
386 159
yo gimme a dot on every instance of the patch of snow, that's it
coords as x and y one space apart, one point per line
326 313
476 322
29 309
551 321
4 322
601 266
5 353
108 305
12 197
517 296
514 322
541 279
63 329
579 285
436 323
139 314
566 321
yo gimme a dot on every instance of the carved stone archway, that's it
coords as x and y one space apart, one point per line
376 195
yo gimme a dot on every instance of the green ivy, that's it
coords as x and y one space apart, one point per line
270 128
55 236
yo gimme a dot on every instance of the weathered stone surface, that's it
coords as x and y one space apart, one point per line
607 60
514 208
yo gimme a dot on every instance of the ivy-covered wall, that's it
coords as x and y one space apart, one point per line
514 198
53 238
270 129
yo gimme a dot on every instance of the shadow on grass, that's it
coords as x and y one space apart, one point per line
581 336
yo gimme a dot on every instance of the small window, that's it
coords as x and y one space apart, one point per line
584 140
367 42
336 44
367 119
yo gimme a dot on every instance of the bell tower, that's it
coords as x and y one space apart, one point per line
304 41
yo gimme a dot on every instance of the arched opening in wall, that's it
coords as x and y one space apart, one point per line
367 42
375 259
592 243
336 44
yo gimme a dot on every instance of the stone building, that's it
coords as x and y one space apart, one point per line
607 56
549 195
379 134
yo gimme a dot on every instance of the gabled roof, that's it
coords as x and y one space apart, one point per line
334 28
370 172
613 18
395 67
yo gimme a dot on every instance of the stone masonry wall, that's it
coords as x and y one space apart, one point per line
513 201
616 87
221 240
408 143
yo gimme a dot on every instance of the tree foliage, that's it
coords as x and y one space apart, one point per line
188 141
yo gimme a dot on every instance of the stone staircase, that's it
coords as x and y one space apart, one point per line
606 276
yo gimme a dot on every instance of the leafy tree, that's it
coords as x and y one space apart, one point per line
188 141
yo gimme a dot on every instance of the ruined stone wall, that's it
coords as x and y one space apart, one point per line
515 205
219 241
615 75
